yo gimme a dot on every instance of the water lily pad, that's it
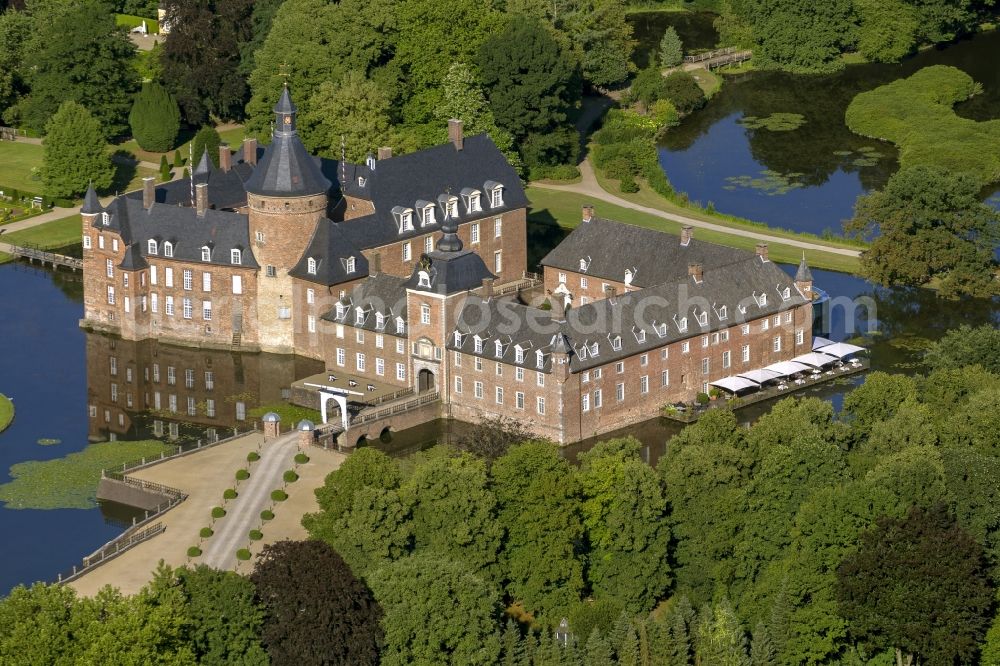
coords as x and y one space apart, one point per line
771 183
776 122
47 441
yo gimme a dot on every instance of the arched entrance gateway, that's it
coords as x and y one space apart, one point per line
425 381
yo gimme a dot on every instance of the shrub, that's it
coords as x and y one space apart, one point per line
155 118
267 514
256 535
178 160
218 512
290 476
714 392
685 93
229 494
194 551
206 532
242 475
301 459
243 554
628 184
253 456
702 399
279 495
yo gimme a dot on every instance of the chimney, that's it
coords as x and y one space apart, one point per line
384 153
148 192
375 264
201 198
225 157
687 233
250 150
696 271
588 212
487 288
762 251
455 133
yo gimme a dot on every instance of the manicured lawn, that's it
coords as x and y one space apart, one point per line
16 162
58 233
130 21
564 209
70 482
234 137
6 412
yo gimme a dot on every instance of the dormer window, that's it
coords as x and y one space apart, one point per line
311 266
451 207
206 253
168 249
407 220
539 359
341 310
640 335
761 300
404 218
499 349
702 318
428 214
742 309
400 325
359 315
349 265
361 181
661 329
616 342
474 204
478 344
722 312
682 323
518 354
235 256
151 246
584 265
379 321
595 349
105 219
786 293
458 339
370 161
424 279
496 196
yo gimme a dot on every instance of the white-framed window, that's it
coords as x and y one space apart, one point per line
359 335
474 204
350 265
171 375
111 295
478 390
168 276
685 347
799 337
452 207
360 362
310 296
540 405
497 227
209 380
478 364
401 346
644 384
598 372
114 244
206 282
665 378
584 283
110 268
206 253
726 360
259 236
168 249
125 280
664 354
206 310
425 313
270 271
788 317
519 374
379 341
188 308
585 402
745 329
235 257
341 356
616 342
87 243
311 323
474 232
128 304
777 320
311 266
620 391
458 384
428 217
745 353
620 367
407 252
154 302
499 369
168 306
187 279
519 400
705 366
210 408
428 244
562 278
765 325
776 343
498 262
100 241
241 411
401 372
151 246
540 378
704 341
379 366
499 395
237 284
496 196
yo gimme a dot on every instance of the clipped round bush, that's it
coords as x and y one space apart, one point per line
218 512
279 495
301 459
290 476
194 551
242 475
229 494
256 535
243 554
267 514
206 532
253 456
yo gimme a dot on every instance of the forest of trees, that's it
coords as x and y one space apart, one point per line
864 537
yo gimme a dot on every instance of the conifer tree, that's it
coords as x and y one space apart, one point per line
155 118
513 646
178 160
597 652
75 153
206 139
762 650
671 49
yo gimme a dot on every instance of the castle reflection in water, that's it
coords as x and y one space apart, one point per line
142 390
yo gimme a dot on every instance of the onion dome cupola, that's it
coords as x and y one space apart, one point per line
287 169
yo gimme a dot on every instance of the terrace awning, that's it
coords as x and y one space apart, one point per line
815 359
734 384
788 368
821 342
840 349
760 376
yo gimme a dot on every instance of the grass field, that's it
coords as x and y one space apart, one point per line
233 136
70 482
564 209
130 21
57 233
16 162
6 412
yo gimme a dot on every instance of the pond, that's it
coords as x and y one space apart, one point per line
695 29
805 179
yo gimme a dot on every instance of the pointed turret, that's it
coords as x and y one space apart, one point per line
804 278
287 169
204 165
91 204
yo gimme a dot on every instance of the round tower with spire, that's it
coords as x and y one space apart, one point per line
287 197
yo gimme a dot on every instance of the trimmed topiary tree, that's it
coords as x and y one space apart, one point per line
206 139
279 495
267 514
243 554
256 535
206 532
218 512
155 118
178 160
242 475
301 459
253 456
230 493
290 476
194 551
75 153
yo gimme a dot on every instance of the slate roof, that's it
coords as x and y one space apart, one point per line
331 248
287 168
513 324
610 248
803 274
644 319
222 231
379 293
449 272
91 205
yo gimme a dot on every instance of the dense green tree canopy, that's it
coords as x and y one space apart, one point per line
360 109
75 153
206 139
155 118
966 346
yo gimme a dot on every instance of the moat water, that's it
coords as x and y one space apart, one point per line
53 370
808 178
